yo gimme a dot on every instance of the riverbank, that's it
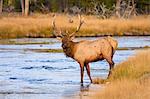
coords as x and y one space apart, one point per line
129 80
17 26
46 41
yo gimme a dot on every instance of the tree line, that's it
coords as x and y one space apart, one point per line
104 8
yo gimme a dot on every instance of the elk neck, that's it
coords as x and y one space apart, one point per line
69 48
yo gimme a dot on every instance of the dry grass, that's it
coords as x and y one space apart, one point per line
98 80
133 68
40 26
130 79
125 89
24 27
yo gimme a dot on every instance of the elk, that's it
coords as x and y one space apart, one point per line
86 51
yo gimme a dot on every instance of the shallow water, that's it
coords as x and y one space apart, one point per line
26 74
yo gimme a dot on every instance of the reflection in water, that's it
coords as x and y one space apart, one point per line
84 90
84 87
87 89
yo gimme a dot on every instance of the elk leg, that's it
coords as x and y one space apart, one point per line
88 72
111 66
81 71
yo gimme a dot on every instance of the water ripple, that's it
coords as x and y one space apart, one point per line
52 61
48 68
30 80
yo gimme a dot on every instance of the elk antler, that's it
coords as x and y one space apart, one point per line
55 31
80 24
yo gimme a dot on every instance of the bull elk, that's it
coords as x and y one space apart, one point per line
86 51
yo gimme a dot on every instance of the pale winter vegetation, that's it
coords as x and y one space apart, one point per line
129 80
40 26
119 17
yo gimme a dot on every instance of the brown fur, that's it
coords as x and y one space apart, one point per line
86 51
69 48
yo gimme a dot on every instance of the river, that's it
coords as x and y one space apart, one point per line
27 74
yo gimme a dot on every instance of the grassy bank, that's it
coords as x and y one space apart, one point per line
130 79
40 26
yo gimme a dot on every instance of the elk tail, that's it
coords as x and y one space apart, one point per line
113 42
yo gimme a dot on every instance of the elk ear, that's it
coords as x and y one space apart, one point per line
72 38
59 38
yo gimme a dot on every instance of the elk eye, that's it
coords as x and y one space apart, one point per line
64 45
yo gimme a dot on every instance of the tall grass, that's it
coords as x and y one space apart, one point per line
12 27
129 80
125 89
40 26
133 68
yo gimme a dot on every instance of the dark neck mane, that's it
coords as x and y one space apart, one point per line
69 48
